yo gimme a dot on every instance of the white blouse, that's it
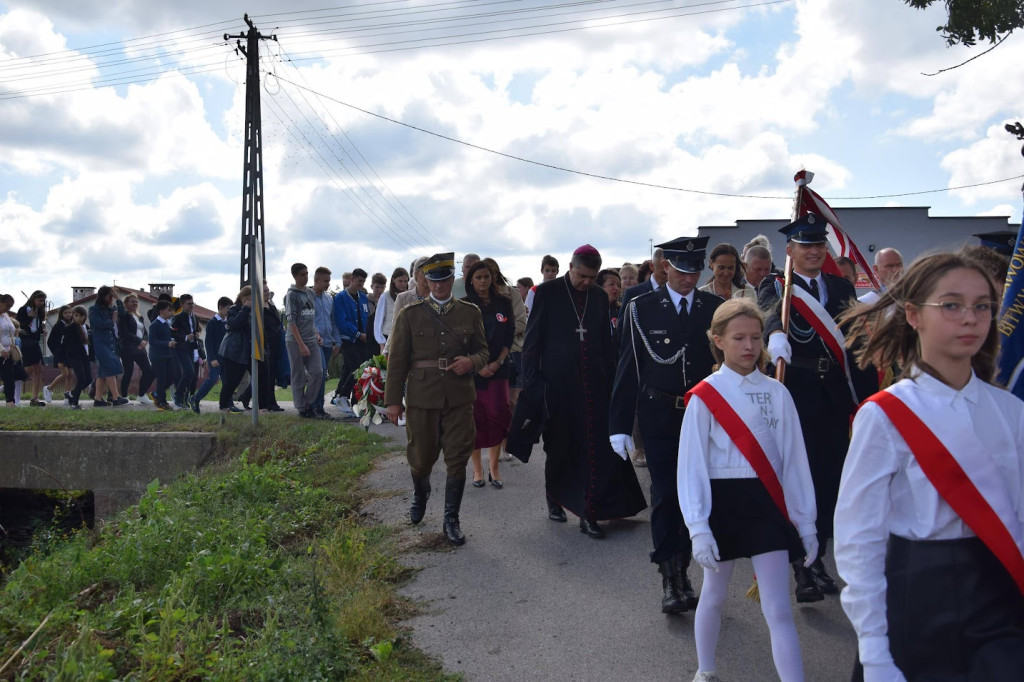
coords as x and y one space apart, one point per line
384 318
883 489
7 332
706 451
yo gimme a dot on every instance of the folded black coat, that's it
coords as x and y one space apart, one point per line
528 422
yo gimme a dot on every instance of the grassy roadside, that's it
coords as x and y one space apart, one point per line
256 568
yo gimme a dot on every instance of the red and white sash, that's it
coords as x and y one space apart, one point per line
810 309
743 437
953 484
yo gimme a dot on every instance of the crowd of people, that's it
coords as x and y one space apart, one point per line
737 396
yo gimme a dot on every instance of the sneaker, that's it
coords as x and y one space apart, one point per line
401 420
47 394
120 401
334 399
152 396
194 404
178 404
234 409
37 403
344 407
76 406
164 407
100 403
144 400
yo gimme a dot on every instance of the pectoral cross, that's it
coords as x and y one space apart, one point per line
581 331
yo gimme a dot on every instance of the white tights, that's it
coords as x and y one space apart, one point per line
772 570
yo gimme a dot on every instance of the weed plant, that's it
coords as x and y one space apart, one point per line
256 568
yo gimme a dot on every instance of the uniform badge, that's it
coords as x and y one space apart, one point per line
657 332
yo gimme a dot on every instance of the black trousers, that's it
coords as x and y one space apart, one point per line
232 377
266 381
186 374
129 358
166 371
354 354
8 374
659 426
83 376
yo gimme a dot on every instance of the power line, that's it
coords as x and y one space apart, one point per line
609 178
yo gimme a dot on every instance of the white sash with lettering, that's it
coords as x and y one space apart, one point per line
811 310
950 427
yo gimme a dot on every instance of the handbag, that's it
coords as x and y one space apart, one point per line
15 353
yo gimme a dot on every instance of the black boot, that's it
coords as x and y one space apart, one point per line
452 503
807 590
420 495
671 602
821 577
680 564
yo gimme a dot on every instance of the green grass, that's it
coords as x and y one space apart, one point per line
256 568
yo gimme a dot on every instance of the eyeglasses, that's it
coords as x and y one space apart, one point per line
954 310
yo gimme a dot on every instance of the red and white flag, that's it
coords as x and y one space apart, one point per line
838 239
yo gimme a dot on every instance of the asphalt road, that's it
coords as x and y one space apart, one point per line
530 599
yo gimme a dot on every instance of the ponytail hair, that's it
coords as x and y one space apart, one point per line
880 334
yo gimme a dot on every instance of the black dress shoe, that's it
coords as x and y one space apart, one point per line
591 529
556 513
478 483
824 581
807 590
276 408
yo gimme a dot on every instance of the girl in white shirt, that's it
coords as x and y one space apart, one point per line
926 596
728 508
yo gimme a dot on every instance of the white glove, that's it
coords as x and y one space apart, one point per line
622 444
810 548
883 672
778 347
705 550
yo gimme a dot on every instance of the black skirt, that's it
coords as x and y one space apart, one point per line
746 522
31 352
954 612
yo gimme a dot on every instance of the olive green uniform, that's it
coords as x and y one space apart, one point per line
439 403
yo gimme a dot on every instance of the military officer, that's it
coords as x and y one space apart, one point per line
664 353
823 395
436 345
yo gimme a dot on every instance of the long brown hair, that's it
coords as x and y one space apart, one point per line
726 313
880 334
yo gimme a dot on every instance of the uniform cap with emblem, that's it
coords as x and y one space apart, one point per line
685 254
439 267
808 229
1001 242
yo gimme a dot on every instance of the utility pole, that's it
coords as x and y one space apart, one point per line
252 161
253 267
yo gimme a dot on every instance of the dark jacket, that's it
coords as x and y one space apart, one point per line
159 340
26 324
180 328
237 343
56 337
72 345
214 336
126 330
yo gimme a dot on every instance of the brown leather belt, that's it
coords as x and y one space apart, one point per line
440 363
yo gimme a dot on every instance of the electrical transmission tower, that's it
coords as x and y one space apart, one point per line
252 168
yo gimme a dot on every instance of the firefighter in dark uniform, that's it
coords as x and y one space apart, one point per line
436 346
816 381
664 353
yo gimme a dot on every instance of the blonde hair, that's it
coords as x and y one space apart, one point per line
726 313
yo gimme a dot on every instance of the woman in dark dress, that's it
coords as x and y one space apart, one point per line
53 342
103 316
491 410
32 318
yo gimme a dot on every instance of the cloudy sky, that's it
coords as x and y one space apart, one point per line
121 134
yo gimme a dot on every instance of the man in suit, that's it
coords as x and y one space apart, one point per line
436 346
664 352
161 354
814 376
188 350
655 282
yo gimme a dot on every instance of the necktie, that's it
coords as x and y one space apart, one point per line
684 315
815 291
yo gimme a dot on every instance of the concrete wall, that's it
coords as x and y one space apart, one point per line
116 466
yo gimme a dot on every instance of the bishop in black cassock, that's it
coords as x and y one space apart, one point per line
569 347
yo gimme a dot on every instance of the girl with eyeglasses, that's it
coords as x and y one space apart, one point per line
928 526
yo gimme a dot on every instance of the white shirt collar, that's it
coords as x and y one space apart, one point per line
165 321
819 279
738 379
932 385
440 302
218 317
675 296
